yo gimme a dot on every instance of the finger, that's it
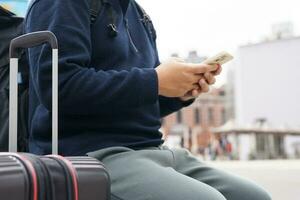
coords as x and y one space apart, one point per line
204 86
196 77
196 93
190 87
201 68
218 71
210 78
197 86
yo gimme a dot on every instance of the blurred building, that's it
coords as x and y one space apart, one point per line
283 30
193 57
255 115
259 140
230 92
266 89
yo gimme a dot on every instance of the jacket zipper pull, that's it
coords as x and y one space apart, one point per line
130 37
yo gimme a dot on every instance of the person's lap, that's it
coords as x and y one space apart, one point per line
164 174
231 186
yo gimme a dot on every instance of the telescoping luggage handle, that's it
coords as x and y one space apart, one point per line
27 41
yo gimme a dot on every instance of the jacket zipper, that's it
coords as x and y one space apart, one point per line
130 37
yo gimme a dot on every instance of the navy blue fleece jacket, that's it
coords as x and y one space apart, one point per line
108 87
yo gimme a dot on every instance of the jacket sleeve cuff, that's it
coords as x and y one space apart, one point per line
187 103
177 103
169 105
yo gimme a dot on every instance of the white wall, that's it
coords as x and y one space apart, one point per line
268 83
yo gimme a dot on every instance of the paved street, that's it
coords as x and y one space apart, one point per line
280 178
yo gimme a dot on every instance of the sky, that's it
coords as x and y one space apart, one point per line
211 26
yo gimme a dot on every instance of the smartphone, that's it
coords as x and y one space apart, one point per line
221 58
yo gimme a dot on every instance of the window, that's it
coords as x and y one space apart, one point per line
197 116
179 117
222 93
211 116
223 116
261 140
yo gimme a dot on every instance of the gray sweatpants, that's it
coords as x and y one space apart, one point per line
160 173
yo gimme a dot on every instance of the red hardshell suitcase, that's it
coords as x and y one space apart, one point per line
30 177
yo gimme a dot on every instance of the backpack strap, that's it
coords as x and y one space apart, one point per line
95 8
146 20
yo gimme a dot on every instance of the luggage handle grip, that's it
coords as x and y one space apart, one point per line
31 40
27 41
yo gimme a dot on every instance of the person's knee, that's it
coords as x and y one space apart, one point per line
261 195
205 193
251 192
210 194
257 193
217 196
198 191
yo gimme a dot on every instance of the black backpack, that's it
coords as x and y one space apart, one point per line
11 26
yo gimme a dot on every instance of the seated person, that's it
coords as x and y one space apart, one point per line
113 93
